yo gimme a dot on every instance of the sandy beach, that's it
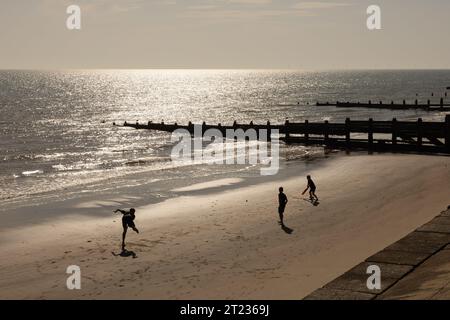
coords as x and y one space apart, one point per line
228 244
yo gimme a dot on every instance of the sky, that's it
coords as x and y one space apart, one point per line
224 34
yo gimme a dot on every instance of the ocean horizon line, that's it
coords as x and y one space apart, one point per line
227 69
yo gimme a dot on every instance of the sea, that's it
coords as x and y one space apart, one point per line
57 139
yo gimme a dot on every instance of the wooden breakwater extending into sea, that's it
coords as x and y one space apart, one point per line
398 136
429 106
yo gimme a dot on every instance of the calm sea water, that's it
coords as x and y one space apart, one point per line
56 131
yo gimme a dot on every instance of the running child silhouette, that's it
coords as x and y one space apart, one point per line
127 221
312 189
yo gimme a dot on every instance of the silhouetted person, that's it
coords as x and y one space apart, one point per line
312 189
127 221
282 201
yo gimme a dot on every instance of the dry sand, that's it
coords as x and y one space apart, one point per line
229 245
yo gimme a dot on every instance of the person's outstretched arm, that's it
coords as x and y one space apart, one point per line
121 211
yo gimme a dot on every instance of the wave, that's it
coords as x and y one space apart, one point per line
32 173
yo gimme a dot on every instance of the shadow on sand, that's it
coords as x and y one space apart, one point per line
286 229
314 202
125 254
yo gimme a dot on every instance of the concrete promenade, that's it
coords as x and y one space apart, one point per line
415 267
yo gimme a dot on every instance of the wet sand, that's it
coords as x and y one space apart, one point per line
228 245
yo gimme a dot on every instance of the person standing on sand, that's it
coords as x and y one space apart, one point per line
127 221
312 189
282 201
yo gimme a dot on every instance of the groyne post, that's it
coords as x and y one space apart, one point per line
326 132
347 132
394 131
191 128
306 131
286 131
419 132
269 132
447 133
370 133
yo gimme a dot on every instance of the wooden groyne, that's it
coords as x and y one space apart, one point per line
441 106
402 136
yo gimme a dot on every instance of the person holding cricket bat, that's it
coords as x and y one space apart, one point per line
312 189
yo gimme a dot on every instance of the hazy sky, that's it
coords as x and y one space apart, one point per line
267 34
